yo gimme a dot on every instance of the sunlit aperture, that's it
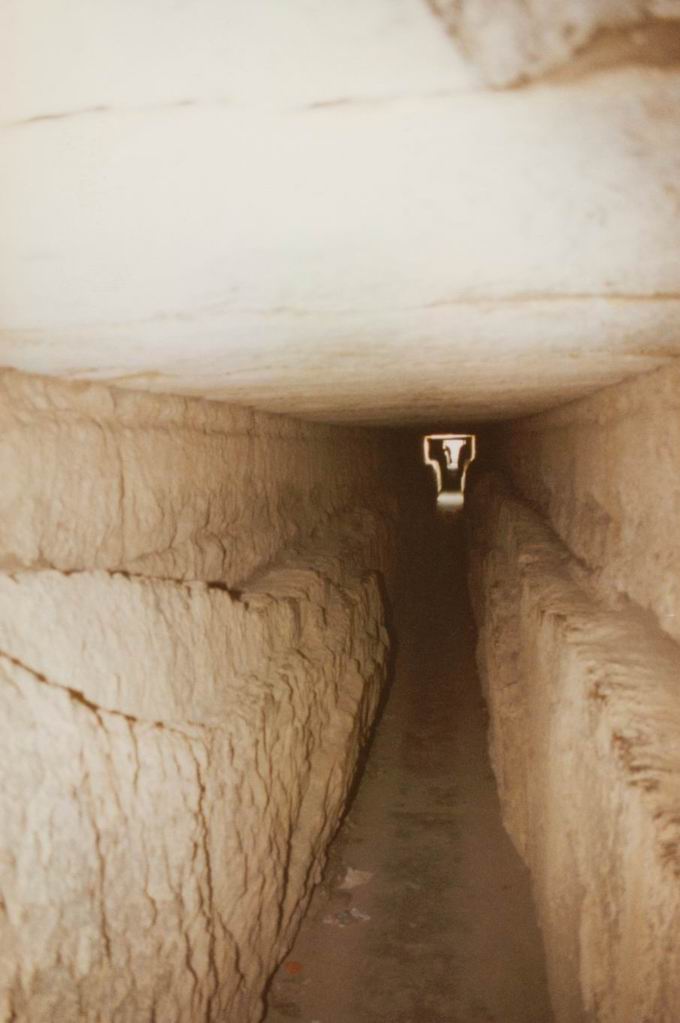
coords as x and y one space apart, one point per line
449 455
450 500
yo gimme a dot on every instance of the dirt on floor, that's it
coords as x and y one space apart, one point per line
425 912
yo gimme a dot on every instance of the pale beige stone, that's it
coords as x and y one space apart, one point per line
349 227
515 40
606 473
164 486
585 734
176 753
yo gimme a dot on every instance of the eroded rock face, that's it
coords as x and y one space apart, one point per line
605 471
167 487
515 40
585 741
176 753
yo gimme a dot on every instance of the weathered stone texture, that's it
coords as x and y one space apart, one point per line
515 40
165 486
585 742
605 471
176 754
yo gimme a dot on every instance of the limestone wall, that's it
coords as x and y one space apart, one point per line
585 743
577 593
605 472
99 478
192 646
518 40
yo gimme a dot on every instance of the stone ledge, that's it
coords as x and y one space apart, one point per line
187 754
585 742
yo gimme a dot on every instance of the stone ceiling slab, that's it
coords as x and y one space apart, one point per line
325 213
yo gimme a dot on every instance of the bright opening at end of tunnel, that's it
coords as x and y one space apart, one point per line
450 500
449 455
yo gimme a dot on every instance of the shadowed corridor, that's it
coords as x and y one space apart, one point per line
443 930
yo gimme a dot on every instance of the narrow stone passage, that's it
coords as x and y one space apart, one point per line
443 930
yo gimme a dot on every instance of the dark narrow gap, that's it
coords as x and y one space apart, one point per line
424 914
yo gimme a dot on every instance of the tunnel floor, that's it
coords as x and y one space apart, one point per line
439 925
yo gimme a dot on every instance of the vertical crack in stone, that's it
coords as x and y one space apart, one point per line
178 738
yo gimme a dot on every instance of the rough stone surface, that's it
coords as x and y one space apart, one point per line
515 40
168 487
443 929
605 471
176 753
585 740
348 226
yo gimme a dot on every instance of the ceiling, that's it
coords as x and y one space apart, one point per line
322 208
